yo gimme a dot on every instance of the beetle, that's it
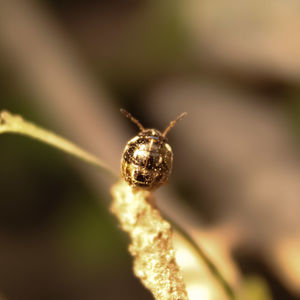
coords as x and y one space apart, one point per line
147 158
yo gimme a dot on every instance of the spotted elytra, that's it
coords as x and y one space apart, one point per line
147 158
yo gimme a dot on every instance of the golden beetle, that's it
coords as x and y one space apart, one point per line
147 158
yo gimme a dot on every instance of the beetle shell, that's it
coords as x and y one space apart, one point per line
147 160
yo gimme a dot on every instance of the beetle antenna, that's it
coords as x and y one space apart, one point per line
133 119
172 124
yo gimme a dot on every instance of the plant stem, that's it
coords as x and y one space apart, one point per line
10 123
211 266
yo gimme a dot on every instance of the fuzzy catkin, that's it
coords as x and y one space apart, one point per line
151 242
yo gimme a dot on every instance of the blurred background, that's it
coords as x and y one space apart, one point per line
69 66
